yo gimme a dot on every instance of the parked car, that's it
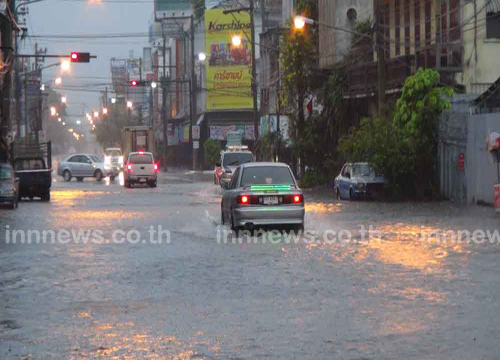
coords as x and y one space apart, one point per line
358 180
141 169
9 186
263 194
82 166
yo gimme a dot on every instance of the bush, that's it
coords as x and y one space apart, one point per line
312 179
404 148
212 150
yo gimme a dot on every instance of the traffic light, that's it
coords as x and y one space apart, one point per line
79 57
135 83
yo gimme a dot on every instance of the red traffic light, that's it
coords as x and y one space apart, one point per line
133 83
79 57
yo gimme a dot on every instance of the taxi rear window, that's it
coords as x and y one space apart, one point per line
141 159
267 175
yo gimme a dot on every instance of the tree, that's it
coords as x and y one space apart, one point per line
417 115
404 147
212 150
298 60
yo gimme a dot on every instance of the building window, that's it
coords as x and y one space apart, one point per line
352 15
493 25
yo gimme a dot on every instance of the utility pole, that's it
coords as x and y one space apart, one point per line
164 103
192 92
250 9
379 11
254 75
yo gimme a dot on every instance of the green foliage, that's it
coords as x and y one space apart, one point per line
313 178
267 146
404 148
362 27
212 150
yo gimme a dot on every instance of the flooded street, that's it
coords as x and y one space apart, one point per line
193 297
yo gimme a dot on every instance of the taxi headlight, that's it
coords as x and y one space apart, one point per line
120 160
107 166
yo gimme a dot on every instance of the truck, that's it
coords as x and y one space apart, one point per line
32 164
137 139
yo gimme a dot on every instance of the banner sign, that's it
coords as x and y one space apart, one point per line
228 69
220 132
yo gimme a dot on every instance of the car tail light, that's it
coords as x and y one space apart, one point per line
141 152
247 199
293 199
129 168
155 166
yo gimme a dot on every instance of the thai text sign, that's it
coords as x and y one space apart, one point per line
228 67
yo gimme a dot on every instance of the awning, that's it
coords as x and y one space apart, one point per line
235 117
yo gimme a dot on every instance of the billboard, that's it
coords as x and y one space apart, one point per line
229 67
172 8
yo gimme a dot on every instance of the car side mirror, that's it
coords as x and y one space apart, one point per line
217 164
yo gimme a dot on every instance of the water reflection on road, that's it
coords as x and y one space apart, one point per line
391 298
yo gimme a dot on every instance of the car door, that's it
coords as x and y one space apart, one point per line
86 166
345 181
73 164
229 194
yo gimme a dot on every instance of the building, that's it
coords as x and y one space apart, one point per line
415 33
481 38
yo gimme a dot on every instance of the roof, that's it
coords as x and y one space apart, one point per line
490 98
261 164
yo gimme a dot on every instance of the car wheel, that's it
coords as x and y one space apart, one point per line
13 206
46 196
352 196
337 194
80 179
98 175
233 227
67 175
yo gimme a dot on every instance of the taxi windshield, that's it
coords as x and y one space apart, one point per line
233 159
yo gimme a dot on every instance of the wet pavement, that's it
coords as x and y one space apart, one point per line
394 297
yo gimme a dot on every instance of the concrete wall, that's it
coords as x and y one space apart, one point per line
335 44
481 170
480 54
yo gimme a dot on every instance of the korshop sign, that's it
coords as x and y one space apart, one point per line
228 67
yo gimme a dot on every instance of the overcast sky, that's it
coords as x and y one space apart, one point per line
70 17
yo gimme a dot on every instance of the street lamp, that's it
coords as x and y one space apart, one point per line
104 111
236 40
53 111
65 65
202 56
78 122
58 81
129 104
59 119
154 85
96 114
113 100
64 99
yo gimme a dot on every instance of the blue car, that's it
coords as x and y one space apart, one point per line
358 180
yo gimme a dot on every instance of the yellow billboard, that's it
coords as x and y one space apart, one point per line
229 67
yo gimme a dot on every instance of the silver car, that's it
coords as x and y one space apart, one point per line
82 166
263 194
358 180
